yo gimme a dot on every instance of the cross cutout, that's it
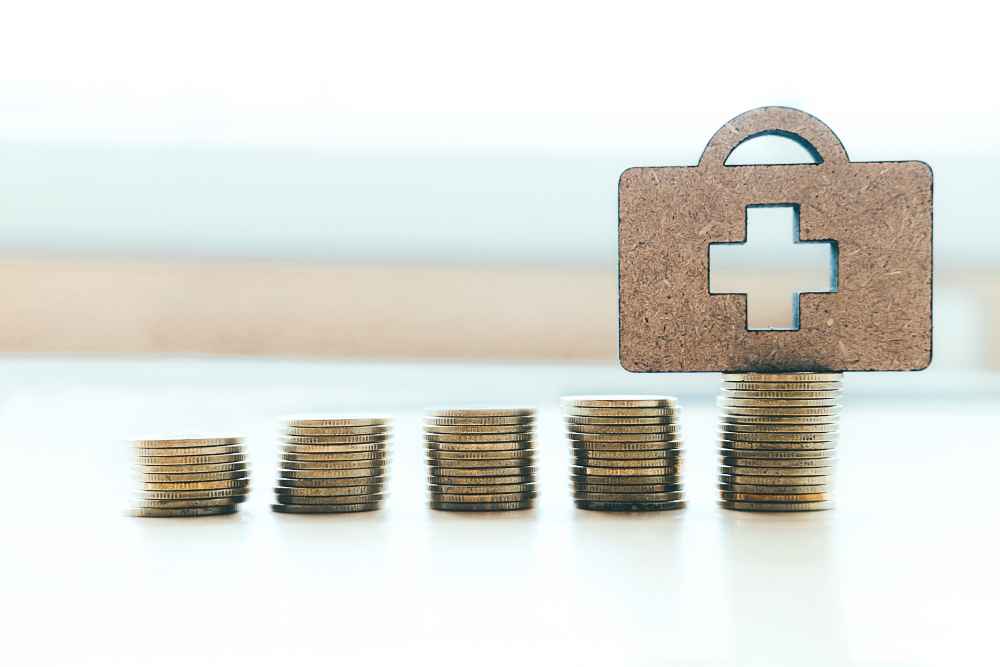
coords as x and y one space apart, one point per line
765 269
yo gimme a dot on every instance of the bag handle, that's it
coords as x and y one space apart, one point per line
808 131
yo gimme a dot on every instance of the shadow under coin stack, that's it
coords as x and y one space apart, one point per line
332 465
480 460
626 452
778 436
184 477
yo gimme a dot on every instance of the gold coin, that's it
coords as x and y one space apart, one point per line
781 386
621 421
170 452
656 446
622 437
475 429
481 472
779 454
631 497
480 467
479 446
319 474
336 431
783 377
605 506
337 482
624 480
736 394
523 422
623 401
483 412
776 472
480 489
337 440
208 468
730 436
480 456
196 502
779 428
783 410
764 488
628 463
326 509
322 482
334 457
581 487
328 422
194 486
481 498
742 403
482 507
333 497
479 481
373 471
726 443
642 454
186 442
193 477
333 449
775 507
776 463
594 471
764 480
476 437
189 460
182 512
780 420
322 467
191 495
359 490
623 428
620 412
776 497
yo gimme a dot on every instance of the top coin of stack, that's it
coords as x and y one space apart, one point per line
480 459
778 435
626 452
333 465
183 477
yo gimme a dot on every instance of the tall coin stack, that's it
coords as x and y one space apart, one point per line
332 465
183 477
480 460
778 436
626 452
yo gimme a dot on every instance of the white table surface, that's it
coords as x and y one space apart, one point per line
903 572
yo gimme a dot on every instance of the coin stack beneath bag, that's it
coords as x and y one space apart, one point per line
184 477
332 465
626 452
480 460
778 435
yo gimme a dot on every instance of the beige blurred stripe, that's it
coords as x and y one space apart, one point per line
274 309
364 311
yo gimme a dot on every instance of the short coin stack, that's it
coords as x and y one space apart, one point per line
626 452
332 465
184 477
778 434
480 460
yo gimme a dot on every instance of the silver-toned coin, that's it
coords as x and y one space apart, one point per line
605 506
482 507
325 509
183 512
775 507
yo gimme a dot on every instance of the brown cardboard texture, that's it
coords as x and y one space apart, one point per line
878 214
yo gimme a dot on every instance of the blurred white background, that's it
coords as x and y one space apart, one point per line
450 134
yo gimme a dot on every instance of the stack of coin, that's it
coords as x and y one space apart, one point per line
480 460
778 435
626 452
332 465
181 477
